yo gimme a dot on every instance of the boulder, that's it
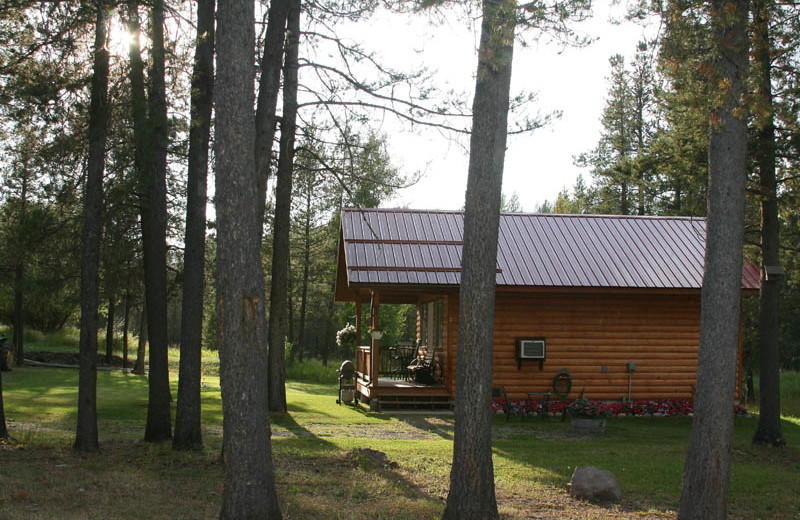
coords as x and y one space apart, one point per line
597 485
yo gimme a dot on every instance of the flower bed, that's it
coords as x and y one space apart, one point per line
635 408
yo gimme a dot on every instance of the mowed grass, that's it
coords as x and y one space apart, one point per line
790 393
321 472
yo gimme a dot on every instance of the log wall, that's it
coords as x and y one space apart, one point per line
594 337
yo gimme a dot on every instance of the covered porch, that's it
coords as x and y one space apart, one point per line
383 377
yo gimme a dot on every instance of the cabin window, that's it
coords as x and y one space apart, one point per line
431 319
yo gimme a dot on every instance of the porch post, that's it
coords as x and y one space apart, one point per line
374 349
358 324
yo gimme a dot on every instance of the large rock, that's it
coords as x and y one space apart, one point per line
597 485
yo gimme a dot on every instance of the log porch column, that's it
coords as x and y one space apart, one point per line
358 324
374 351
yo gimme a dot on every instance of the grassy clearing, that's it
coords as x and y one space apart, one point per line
321 472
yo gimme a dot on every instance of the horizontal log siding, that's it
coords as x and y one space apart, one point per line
660 333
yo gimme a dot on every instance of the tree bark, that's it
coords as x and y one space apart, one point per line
19 282
110 330
278 296
140 135
125 328
769 417
3 426
154 232
472 493
707 471
291 335
268 88
304 289
138 366
249 490
86 438
19 312
187 418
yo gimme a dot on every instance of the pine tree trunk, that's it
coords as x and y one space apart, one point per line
187 418
325 351
769 417
125 327
19 283
304 289
141 348
19 315
249 490
154 232
3 426
86 434
268 88
472 493
141 140
110 330
278 295
707 471
290 327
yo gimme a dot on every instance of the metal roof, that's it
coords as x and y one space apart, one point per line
415 247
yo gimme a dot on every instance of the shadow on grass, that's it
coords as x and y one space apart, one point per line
295 407
287 421
439 425
364 411
319 480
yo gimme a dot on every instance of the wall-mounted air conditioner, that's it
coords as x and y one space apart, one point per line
531 349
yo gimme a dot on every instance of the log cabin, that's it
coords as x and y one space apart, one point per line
604 305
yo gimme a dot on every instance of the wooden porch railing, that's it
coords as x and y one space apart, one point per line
363 362
386 364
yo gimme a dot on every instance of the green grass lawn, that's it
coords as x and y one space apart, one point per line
321 473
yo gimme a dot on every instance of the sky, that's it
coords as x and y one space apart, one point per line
538 165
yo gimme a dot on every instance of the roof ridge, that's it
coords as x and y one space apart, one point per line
401 210
604 215
519 214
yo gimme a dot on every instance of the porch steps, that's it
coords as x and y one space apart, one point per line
415 402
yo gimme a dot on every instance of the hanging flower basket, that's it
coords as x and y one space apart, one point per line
346 336
376 334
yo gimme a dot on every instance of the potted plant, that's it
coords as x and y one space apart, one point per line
587 416
375 333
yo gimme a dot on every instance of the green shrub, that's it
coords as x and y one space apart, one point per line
313 371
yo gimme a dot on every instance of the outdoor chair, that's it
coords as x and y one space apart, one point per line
544 399
403 356
564 412
508 409
423 367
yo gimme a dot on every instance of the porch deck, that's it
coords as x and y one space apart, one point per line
398 393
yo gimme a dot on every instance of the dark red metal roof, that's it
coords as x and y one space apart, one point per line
414 247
